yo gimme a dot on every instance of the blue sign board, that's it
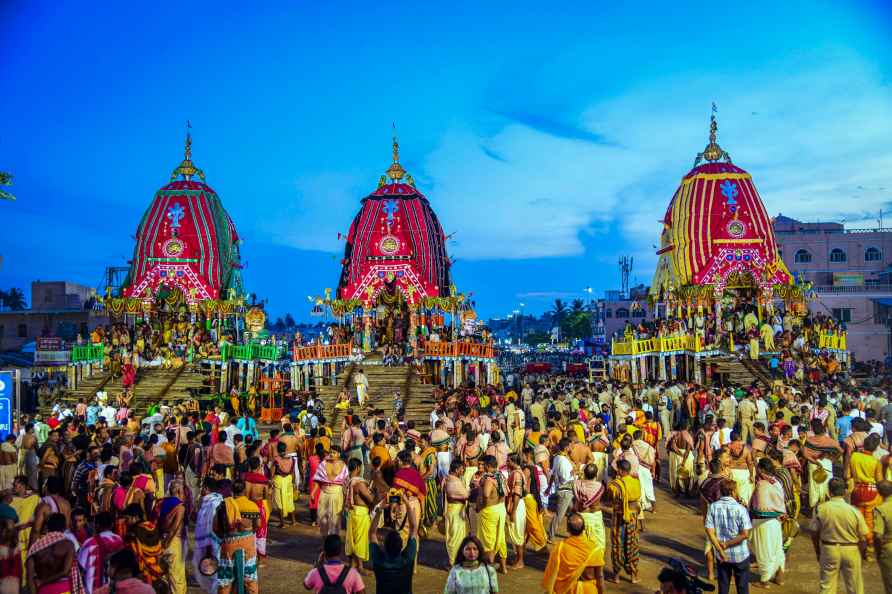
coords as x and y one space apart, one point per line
7 392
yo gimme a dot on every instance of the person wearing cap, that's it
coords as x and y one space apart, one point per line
839 536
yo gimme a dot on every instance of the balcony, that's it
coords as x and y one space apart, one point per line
321 352
459 349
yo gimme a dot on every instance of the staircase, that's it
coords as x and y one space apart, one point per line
88 387
417 397
740 371
154 384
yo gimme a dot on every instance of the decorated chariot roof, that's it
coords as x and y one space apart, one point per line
716 231
185 240
395 241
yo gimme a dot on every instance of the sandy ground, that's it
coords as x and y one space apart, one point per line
675 530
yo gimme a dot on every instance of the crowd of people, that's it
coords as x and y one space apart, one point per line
544 465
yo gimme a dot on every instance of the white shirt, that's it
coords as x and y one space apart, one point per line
761 410
561 472
720 438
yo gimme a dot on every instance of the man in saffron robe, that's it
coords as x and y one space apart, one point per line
624 492
576 565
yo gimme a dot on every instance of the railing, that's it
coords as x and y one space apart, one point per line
885 288
459 349
832 341
317 352
90 353
657 345
251 352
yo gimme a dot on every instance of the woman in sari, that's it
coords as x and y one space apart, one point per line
144 539
427 464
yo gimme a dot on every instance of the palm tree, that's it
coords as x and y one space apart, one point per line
577 306
14 299
5 180
558 311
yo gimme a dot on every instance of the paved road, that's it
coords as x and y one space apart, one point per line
675 530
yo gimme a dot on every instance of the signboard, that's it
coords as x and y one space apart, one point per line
49 343
7 393
848 279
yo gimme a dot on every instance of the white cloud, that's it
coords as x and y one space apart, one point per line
814 138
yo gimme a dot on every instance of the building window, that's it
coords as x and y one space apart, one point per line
802 256
842 314
872 254
622 313
23 330
838 255
639 313
608 313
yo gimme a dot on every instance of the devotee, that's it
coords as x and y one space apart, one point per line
575 565
207 545
767 508
456 522
558 485
492 514
283 485
235 526
331 478
587 494
624 493
97 549
864 472
51 566
358 499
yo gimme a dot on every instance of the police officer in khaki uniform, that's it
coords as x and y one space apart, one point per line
882 533
839 534
746 412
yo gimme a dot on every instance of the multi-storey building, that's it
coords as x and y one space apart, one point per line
850 270
58 309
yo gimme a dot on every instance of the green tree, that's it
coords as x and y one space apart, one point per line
577 305
289 321
5 180
577 324
536 337
14 299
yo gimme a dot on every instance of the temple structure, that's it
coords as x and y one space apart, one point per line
186 242
395 298
719 278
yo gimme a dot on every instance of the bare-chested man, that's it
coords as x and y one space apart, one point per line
359 500
492 514
741 468
53 502
50 558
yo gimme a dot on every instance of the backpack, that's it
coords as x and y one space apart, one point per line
338 586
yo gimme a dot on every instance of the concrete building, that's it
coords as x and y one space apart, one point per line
616 308
850 270
58 308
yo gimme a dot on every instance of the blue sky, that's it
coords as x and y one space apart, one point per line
549 138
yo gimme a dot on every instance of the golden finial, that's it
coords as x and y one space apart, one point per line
187 169
395 172
713 152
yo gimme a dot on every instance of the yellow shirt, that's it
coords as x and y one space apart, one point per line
865 468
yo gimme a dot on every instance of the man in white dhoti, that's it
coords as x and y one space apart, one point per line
206 542
646 461
362 387
767 508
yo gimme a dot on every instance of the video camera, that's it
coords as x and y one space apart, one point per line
684 577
